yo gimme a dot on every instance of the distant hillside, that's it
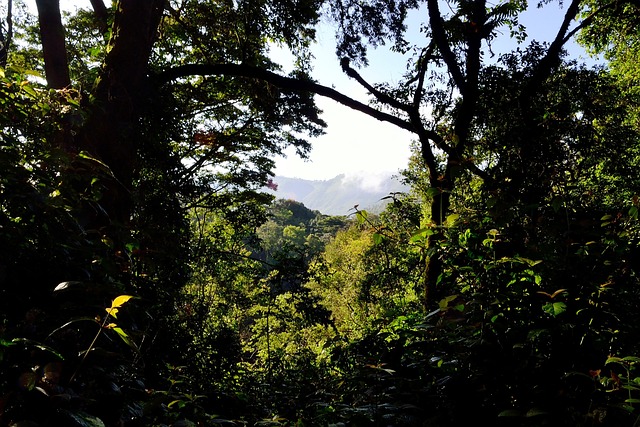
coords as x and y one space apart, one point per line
338 195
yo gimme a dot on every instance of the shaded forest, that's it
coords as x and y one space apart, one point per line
146 279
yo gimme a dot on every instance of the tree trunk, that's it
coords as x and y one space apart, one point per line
54 49
111 132
440 207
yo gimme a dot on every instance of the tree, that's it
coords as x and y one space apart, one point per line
106 160
614 34
164 139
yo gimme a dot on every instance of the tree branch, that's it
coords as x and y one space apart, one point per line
380 96
552 58
588 20
440 38
287 83
415 126
101 13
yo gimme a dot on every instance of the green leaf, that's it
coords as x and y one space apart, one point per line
510 413
30 91
613 359
87 156
432 192
361 217
179 403
82 419
555 308
444 303
452 220
421 235
35 344
534 412
5 343
377 238
529 262
123 335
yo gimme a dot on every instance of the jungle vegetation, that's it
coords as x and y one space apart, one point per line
147 280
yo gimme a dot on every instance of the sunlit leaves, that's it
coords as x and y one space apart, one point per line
116 304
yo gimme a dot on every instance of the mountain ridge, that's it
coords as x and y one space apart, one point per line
340 194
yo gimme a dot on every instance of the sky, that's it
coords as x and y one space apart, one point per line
355 144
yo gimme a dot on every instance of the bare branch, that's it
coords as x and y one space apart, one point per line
380 96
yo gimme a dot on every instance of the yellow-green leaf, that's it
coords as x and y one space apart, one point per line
122 299
112 311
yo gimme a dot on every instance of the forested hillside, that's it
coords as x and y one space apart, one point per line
146 279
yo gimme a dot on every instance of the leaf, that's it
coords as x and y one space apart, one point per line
534 412
555 309
444 303
31 343
87 156
510 413
431 192
452 220
116 304
377 238
122 299
30 91
421 235
5 343
123 335
362 216
66 285
179 403
529 262
613 359
82 419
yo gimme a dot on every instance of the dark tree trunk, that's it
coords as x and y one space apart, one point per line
54 48
5 38
112 130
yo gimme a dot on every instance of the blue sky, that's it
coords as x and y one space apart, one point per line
355 144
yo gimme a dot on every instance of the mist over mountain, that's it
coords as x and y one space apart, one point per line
338 196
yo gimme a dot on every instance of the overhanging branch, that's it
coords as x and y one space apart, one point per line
283 82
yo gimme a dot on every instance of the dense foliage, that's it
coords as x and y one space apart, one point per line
145 278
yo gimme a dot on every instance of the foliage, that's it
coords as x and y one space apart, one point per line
146 280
